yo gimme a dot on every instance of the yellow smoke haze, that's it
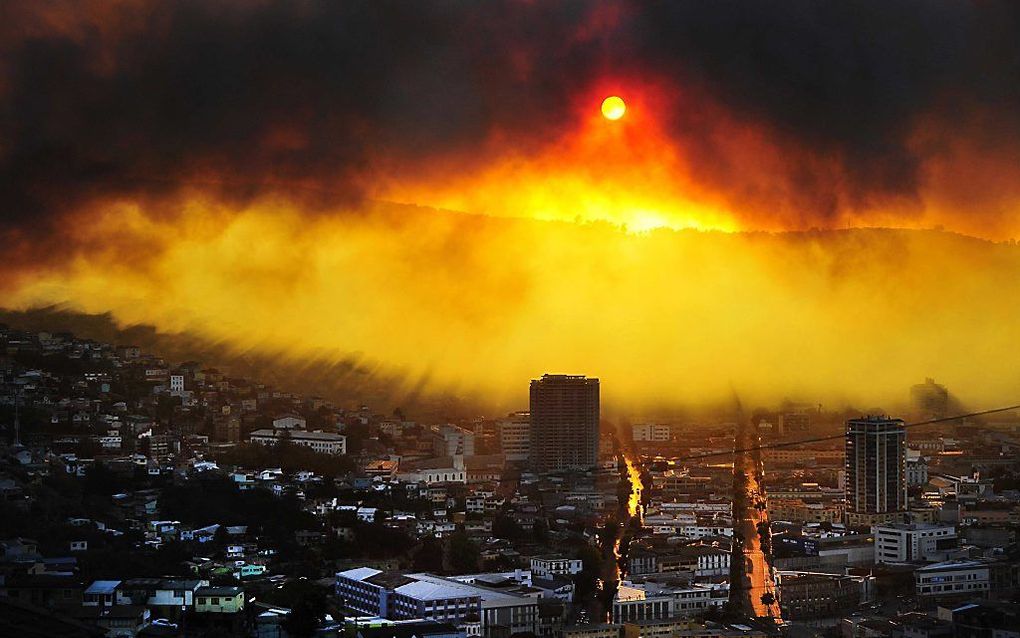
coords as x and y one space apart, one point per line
478 305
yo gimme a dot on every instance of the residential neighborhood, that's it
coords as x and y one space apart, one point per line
143 497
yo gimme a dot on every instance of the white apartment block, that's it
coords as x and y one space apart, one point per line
515 436
176 383
546 566
289 422
953 578
918 542
650 432
435 475
636 603
451 440
322 442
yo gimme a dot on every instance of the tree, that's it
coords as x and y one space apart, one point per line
221 538
505 527
307 603
464 553
429 557
591 570
540 531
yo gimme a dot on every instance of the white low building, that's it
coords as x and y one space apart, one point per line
289 422
546 566
916 542
435 475
954 578
650 432
651 602
323 442
402 596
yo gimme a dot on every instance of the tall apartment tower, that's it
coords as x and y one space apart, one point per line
930 400
515 437
564 422
876 473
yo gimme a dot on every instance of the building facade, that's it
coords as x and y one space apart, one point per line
657 432
400 596
954 578
322 442
876 482
813 596
219 600
452 440
547 566
515 437
564 422
636 603
916 542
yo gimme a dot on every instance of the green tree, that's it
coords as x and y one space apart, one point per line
505 527
307 602
464 553
591 570
429 557
540 531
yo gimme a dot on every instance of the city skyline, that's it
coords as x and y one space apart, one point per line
747 223
655 500
509 319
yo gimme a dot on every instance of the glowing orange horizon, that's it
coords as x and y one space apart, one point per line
630 174
644 171
478 302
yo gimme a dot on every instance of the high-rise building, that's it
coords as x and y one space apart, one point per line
876 480
929 399
564 422
515 436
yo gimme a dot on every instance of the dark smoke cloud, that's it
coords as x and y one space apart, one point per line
846 79
247 95
136 98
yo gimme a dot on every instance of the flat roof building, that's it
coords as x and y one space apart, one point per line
915 542
876 481
564 422
400 596
515 437
322 442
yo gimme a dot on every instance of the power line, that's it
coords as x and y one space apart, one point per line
838 437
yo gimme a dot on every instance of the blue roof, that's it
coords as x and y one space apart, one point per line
102 587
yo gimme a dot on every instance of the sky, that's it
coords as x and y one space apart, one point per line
808 199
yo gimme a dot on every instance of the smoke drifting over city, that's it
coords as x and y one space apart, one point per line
280 175
509 318
868 102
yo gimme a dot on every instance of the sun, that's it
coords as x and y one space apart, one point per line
613 107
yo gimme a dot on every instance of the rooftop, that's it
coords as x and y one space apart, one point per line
408 630
226 592
102 587
300 435
954 564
